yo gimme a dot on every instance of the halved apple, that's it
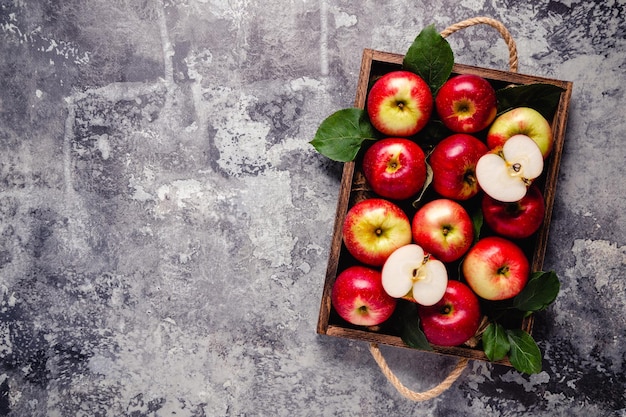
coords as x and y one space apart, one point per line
411 274
506 174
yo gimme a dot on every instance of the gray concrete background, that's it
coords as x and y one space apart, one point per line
165 225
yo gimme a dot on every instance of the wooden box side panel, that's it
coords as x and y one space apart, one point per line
375 64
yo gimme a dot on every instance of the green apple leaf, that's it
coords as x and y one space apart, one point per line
433 133
540 291
524 355
495 342
540 96
340 136
477 221
429 180
430 56
410 331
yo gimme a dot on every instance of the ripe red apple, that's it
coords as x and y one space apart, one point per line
444 228
516 220
395 168
453 162
524 121
466 103
496 268
359 298
454 319
373 229
399 103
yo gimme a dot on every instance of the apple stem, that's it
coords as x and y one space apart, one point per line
503 270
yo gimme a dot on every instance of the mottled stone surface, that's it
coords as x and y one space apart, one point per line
165 225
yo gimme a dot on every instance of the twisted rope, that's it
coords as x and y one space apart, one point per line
504 32
414 395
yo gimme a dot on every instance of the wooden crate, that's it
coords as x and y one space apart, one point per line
355 188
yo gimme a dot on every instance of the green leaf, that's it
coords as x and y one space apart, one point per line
477 222
495 342
340 136
540 291
525 355
430 57
540 96
429 180
430 136
410 331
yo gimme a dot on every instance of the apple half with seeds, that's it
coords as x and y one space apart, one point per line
411 274
506 173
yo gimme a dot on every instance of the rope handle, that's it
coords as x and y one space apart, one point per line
462 362
415 395
504 32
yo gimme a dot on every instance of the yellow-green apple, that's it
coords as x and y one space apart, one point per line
506 173
466 103
399 103
516 220
395 168
496 268
359 298
443 228
525 121
454 319
453 161
373 229
412 274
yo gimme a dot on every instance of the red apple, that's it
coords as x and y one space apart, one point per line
453 162
359 298
454 319
399 103
521 121
466 103
496 268
395 168
373 229
516 220
444 228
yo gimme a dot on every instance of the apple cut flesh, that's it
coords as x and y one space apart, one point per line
411 274
506 175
